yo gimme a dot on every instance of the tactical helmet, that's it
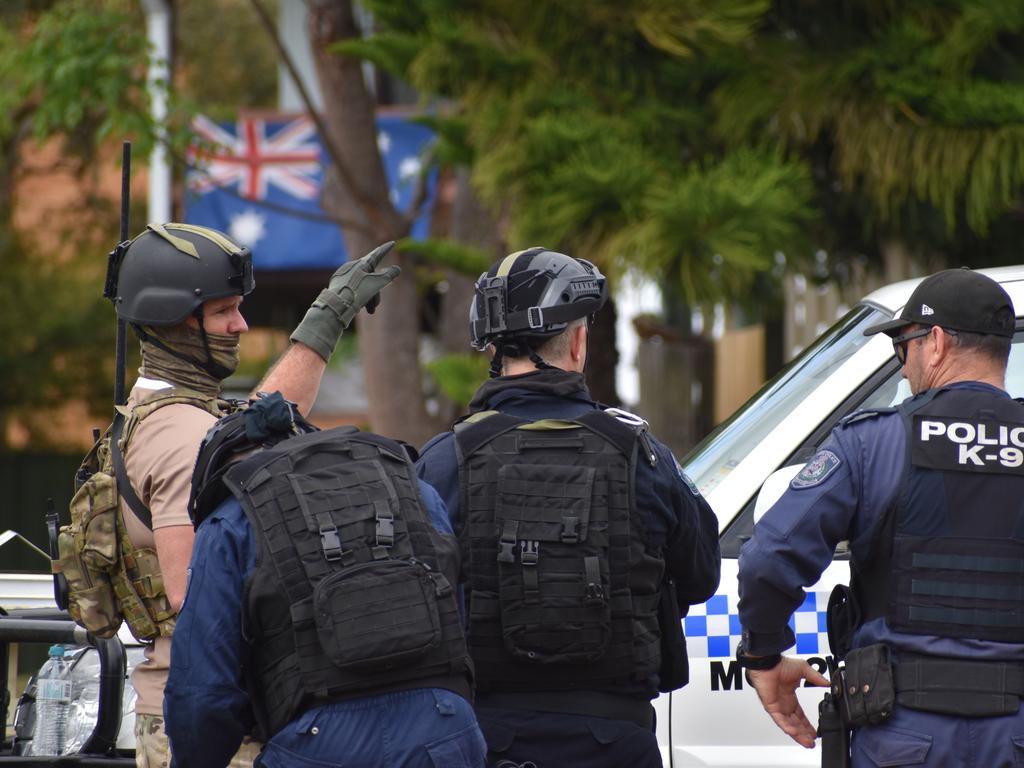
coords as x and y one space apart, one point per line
171 269
533 294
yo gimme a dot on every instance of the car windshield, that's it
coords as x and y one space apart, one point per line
715 456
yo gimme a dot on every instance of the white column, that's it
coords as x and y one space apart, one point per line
158 32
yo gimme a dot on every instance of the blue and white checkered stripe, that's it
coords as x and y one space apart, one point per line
713 628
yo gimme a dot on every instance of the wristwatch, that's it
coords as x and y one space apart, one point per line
756 662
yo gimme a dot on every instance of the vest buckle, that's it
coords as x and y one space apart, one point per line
529 552
330 542
570 530
507 542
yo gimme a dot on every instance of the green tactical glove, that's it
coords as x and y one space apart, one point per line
355 285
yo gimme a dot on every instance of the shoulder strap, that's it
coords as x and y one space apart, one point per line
471 434
619 433
124 486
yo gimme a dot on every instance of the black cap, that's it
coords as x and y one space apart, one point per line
958 299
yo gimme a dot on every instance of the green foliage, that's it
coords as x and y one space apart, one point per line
58 336
225 60
459 376
586 127
79 74
446 253
743 206
919 107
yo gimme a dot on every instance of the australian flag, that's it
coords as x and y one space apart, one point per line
259 181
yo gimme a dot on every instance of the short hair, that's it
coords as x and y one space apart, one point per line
994 348
553 347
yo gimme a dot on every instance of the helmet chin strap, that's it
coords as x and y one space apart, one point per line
520 348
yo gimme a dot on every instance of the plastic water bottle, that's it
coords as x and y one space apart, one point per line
53 698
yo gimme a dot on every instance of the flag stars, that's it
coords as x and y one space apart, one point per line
409 168
384 142
248 227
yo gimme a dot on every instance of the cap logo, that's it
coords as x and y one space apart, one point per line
926 310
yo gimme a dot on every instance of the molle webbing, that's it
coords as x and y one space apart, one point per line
556 600
950 556
352 593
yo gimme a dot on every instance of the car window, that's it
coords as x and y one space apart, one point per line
890 389
715 456
894 390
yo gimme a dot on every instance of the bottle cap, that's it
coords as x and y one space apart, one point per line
57 650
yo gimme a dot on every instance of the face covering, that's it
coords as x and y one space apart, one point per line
188 357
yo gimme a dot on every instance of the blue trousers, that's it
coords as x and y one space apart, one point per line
424 728
523 739
913 738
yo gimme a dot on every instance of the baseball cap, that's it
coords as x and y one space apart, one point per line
958 299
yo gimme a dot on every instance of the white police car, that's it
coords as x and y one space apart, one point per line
717 719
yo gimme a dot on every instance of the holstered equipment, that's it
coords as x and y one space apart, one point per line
675 664
564 591
834 734
865 691
353 590
109 579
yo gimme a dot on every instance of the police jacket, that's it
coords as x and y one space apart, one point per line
207 709
871 484
672 520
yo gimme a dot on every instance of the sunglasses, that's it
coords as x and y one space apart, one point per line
899 342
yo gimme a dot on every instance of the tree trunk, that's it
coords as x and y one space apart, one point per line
474 225
603 356
388 339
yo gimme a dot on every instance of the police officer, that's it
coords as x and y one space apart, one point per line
321 606
180 287
570 520
930 496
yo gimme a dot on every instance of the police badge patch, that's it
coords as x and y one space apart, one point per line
686 478
816 470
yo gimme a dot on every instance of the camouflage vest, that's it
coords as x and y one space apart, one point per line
110 580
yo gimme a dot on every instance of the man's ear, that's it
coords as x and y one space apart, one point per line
578 343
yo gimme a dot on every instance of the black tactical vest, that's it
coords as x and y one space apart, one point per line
563 591
951 550
352 594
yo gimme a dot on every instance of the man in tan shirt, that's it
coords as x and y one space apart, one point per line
181 288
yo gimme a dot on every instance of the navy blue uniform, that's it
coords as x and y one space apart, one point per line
676 519
842 494
207 708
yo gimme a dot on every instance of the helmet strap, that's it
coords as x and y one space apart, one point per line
519 348
495 370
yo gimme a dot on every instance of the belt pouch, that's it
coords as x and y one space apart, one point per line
868 691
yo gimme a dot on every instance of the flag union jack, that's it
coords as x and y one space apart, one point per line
257 155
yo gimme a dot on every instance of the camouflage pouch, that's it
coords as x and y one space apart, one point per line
87 549
139 586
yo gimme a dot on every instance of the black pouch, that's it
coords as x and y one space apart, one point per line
868 692
377 615
675 665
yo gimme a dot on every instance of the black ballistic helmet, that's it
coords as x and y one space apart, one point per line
171 269
533 294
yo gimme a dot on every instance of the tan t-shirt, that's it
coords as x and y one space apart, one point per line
159 463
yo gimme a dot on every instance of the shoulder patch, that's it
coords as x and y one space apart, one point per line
686 478
853 418
815 471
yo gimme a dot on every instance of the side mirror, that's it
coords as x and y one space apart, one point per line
773 488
